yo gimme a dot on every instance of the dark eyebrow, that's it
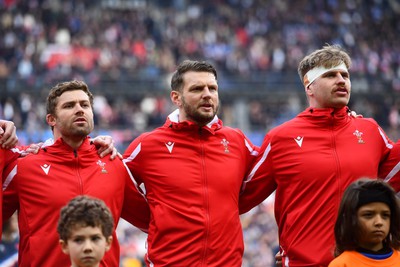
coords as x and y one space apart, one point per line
79 101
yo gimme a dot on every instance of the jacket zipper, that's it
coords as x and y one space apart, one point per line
78 176
338 172
205 194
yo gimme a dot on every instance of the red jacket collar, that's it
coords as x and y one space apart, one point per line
59 145
174 123
327 116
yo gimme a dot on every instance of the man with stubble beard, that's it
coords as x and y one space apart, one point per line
38 185
191 170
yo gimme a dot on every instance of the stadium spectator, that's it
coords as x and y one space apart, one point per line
45 41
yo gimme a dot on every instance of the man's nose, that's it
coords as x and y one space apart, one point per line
78 109
340 78
206 92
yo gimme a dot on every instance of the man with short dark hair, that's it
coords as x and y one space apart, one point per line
39 185
191 170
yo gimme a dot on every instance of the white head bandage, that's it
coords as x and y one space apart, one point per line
316 72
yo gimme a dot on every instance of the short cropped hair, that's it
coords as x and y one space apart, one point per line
83 211
62 87
190 65
328 56
346 226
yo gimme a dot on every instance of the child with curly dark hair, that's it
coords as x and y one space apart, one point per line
85 228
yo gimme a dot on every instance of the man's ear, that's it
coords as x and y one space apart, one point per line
51 120
64 246
308 90
176 98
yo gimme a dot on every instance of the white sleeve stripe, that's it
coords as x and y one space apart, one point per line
9 178
131 157
17 150
393 172
135 183
261 161
251 150
388 145
134 153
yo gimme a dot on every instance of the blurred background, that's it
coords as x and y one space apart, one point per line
126 51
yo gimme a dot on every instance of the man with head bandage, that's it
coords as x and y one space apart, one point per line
316 72
311 159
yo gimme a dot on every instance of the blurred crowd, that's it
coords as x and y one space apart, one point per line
49 40
105 41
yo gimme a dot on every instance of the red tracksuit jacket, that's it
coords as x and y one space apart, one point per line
7 156
192 178
39 185
390 169
309 161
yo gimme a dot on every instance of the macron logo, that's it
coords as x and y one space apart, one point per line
170 146
45 168
299 140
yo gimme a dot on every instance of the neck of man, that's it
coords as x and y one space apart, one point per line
199 123
73 141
